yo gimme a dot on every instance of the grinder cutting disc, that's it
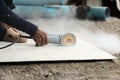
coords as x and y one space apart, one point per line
68 39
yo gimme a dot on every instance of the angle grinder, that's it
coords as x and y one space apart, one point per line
67 39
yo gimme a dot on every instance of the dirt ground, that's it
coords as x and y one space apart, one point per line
72 70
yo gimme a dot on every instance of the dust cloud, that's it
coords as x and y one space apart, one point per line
103 40
107 41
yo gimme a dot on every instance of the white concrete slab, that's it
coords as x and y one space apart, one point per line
27 52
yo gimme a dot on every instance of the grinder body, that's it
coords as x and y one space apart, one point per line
67 39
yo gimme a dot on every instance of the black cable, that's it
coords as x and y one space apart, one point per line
15 41
10 43
29 37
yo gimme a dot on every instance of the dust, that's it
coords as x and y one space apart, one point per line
107 41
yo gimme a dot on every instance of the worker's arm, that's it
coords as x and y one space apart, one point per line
3 32
10 18
9 3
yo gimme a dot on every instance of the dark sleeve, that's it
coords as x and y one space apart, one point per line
9 3
3 32
10 18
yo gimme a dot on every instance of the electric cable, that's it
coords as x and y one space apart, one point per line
11 43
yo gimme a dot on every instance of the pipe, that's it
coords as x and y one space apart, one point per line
39 2
42 11
99 13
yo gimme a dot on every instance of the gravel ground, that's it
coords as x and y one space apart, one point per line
77 70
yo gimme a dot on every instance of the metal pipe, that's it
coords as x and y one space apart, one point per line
39 2
43 11
99 12
93 12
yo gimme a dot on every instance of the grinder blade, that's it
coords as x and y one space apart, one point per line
68 39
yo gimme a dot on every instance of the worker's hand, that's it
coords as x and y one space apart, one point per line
12 34
40 38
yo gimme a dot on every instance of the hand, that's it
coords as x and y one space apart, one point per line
12 34
40 38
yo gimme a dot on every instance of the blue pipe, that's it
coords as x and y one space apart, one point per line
38 2
99 13
42 11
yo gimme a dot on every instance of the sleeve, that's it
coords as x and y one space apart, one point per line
3 32
10 18
9 3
